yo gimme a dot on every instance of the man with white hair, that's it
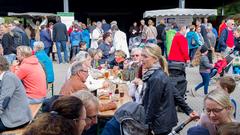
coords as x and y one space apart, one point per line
96 35
226 40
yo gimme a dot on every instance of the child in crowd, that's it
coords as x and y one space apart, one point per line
83 46
228 84
204 70
219 65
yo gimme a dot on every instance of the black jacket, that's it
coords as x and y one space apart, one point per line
8 44
159 103
60 32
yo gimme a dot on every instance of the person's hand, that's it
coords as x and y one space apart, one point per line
194 115
106 84
137 81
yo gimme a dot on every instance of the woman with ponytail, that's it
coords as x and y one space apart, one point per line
159 96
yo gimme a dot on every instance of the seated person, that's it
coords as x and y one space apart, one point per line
14 110
96 55
44 59
219 65
67 117
31 73
91 83
198 130
120 57
92 106
79 74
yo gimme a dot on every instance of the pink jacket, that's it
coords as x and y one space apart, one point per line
33 77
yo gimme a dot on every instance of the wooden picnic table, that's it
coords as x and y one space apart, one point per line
120 102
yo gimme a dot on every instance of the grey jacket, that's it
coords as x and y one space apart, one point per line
14 110
205 66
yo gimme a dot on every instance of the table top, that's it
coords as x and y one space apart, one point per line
120 102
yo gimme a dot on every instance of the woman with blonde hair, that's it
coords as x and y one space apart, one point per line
159 96
218 110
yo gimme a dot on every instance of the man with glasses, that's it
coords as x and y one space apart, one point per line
226 40
91 104
79 74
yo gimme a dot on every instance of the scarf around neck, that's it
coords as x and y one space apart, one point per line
150 71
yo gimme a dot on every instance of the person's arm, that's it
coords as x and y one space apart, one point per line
93 84
206 63
223 38
31 24
7 90
54 33
155 92
184 49
65 32
44 22
20 72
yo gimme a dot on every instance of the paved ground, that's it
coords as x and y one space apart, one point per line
193 78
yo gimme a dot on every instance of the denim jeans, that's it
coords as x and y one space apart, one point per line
10 57
205 82
35 101
74 51
62 44
47 50
213 72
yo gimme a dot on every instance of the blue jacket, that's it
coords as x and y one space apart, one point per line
75 38
222 40
193 36
106 55
112 127
86 37
45 37
47 62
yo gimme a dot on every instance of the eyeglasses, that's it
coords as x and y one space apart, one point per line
84 71
214 111
91 118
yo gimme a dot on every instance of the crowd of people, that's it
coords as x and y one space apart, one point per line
153 61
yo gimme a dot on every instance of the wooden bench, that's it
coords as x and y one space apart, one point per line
34 108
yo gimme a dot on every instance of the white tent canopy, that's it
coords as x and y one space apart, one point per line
180 12
31 14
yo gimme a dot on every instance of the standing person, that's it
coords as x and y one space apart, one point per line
107 49
212 42
105 26
178 57
204 70
161 36
151 32
96 35
142 31
31 73
159 96
226 40
120 40
75 39
9 51
60 36
45 37
193 41
15 112
134 32
85 35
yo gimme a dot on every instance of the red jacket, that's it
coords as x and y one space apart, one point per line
33 77
179 49
220 65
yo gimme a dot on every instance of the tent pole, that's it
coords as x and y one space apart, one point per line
181 3
65 5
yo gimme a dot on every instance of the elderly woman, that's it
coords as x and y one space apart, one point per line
159 96
31 73
14 110
44 59
96 55
67 116
218 111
